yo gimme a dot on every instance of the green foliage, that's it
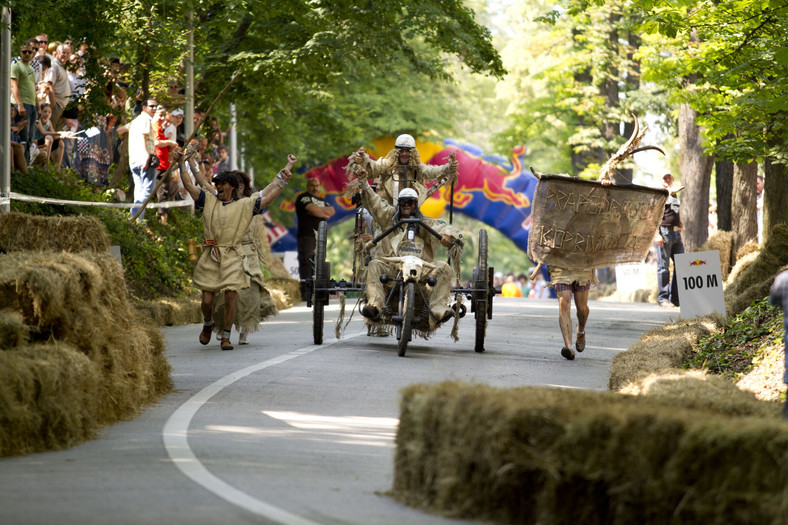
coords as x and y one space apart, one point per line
734 53
734 349
155 260
576 73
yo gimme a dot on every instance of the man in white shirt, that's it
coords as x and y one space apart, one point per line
57 77
141 149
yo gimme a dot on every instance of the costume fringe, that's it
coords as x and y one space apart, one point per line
338 327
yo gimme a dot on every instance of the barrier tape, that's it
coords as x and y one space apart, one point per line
45 200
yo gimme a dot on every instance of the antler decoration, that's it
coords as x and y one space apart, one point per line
629 148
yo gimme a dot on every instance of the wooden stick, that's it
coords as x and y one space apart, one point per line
535 272
185 143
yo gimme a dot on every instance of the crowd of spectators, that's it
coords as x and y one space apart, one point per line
49 124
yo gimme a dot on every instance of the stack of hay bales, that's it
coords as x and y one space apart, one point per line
754 272
74 355
538 455
666 446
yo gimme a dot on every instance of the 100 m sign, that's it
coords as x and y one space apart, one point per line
696 282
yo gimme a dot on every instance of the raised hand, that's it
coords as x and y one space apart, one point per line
291 161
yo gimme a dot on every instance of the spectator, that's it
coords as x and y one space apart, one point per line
224 159
58 79
23 94
44 92
177 120
141 153
215 136
46 138
669 243
311 209
93 156
168 189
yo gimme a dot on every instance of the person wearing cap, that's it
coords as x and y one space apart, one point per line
402 161
226 218
669 243
407 240
177 121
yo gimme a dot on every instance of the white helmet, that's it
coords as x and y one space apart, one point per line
408 193
405 141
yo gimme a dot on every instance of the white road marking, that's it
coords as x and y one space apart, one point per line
175 434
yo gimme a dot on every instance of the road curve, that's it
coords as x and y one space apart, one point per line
284 431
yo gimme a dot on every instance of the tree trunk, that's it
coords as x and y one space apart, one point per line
695 170
744 206
582 77
724 170
775 196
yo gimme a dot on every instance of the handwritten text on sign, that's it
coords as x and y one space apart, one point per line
579 224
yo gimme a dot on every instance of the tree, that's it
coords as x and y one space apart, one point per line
695 169
738 59
588 79
744 204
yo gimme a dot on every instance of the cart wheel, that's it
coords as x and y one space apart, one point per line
407 318
480 298
321 281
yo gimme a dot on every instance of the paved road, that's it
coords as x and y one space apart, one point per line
282 431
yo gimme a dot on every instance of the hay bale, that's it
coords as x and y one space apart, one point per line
750 247
50 395
753 282
285 291
13 330
538 455
79 300
721 241
697 389
23 232
660 349
173 311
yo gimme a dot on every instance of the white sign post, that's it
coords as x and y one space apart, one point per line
699 280
631 277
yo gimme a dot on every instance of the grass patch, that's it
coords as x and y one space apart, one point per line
735 349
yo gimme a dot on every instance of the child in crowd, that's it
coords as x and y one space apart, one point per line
47 138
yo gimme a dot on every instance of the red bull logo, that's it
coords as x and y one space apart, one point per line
697 262
475 176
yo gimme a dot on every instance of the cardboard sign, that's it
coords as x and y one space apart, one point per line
631 277
699 280
580 224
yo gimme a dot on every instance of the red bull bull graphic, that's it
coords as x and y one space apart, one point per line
492 189
697 262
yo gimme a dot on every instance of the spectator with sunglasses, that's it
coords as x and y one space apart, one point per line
23 95
141 154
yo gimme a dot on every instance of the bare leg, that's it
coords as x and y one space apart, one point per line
57 155
230 304
581 303
207 306
565 316
207 314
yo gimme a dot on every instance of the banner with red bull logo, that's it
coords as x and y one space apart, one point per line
492 189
